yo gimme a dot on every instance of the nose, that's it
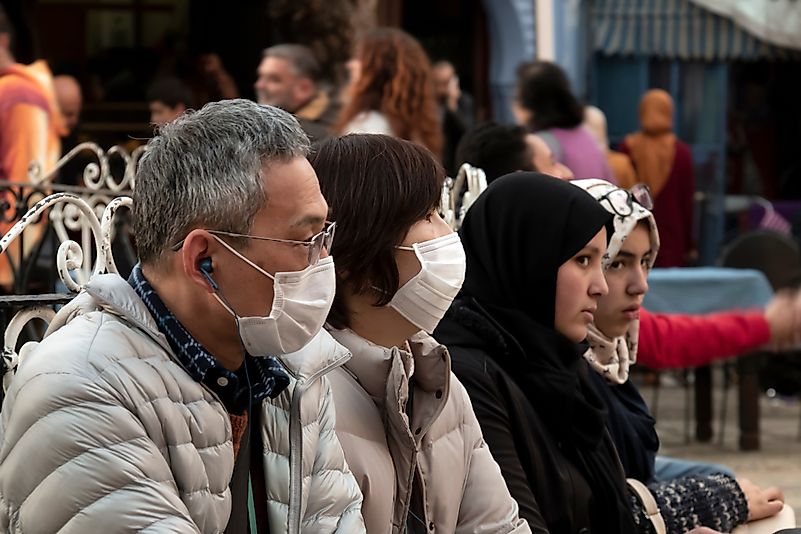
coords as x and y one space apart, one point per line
598 287
638 285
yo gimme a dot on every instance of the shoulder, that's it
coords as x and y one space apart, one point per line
90 345
369 122
15 90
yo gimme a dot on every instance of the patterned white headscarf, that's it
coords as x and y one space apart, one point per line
611 358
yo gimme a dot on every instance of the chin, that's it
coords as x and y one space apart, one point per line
578 335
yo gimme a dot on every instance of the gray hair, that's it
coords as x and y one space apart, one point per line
299 56
204 170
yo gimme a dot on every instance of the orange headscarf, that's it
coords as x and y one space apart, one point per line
653 148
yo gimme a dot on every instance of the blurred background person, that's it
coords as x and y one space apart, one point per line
167 98
499 149
391 90
619 163
665 165
289 77
69 96
70 101
456 110
31 127
545 104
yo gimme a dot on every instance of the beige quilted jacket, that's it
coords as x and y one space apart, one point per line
102 431
413 441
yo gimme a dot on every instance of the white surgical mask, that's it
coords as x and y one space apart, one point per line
425 298
300 307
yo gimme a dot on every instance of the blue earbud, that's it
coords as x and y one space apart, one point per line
206 269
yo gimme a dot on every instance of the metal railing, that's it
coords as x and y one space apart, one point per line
59 237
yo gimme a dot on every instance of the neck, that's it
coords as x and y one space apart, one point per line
382 325
202 318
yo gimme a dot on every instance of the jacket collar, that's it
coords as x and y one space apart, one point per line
112 293
315 107
319 356
379 369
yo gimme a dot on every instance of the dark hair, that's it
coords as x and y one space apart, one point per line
495 148
170 91
543 89
5 24
377 187
300 57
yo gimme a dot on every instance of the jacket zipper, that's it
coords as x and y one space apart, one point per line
296 446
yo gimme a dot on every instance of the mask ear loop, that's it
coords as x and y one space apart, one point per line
227 305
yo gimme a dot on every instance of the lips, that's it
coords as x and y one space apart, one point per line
632 312
589 314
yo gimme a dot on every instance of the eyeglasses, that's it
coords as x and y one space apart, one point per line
316 244
622 200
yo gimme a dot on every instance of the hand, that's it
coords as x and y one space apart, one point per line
211 64
783 314
761 503
454 93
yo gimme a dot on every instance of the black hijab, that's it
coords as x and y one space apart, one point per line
516 236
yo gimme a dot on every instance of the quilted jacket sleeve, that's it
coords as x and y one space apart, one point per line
75 459
487 505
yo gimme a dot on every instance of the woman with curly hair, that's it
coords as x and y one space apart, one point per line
391 90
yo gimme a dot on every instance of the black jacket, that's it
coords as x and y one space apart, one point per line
552 494
540 472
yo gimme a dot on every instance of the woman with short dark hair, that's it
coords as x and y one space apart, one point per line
546 105
405 422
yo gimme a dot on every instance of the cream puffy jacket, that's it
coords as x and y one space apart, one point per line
103 431
412 440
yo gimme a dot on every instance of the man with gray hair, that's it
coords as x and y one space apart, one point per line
289 77
165 402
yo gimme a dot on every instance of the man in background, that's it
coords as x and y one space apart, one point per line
70 101
167 98
289 78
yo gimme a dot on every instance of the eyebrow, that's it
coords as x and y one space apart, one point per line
625 254
309 220
591 250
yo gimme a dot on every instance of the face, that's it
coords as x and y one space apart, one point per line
579 285
70 106
295 210
444 76
354 66
278 85
522 115
626 277
426 229
544 160
161 113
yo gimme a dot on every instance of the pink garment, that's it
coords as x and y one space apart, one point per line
578 149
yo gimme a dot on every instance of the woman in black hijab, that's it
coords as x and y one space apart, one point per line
534 247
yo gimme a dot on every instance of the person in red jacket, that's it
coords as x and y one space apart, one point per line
675 341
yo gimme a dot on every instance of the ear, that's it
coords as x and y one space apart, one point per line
199 246
305 89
